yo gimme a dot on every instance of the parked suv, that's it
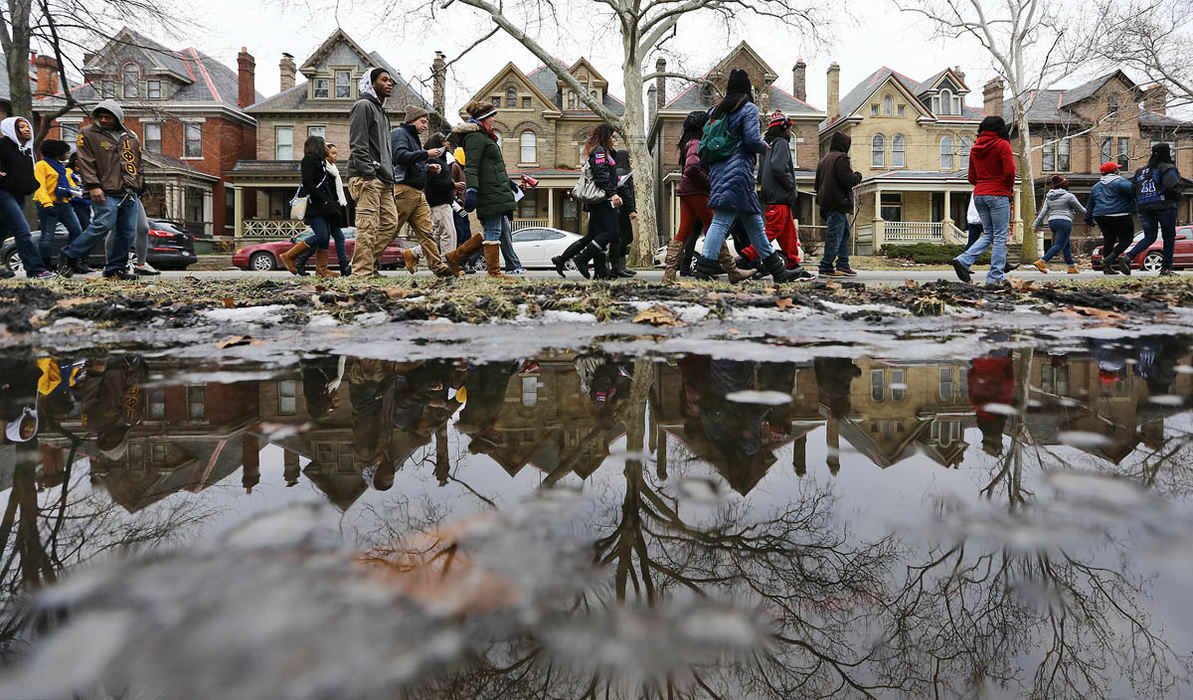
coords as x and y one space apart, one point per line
169 248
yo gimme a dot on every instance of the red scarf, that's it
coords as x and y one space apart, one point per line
485 128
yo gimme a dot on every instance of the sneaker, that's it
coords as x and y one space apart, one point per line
1167 273
6 274
799 274
83 268
962 271
66 267
847 271
145 269
1010 267
47 275
1108 268
122 275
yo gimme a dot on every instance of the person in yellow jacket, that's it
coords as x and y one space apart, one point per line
53 196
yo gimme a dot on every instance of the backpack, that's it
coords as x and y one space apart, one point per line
1147 187
585 190
717 144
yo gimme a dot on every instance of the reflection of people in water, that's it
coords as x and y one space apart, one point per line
370 388
484 393
109 392
18 398
834 377
1158 357
992 381
321 378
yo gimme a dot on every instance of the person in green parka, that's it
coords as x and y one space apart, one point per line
488 188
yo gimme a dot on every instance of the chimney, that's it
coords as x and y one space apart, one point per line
960 73
660 96
834 91
799 80
439 82
652 103
47 75
992 97
1155 97
288 71
246 77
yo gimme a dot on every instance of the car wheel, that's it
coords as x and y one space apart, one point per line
1152 262
262 262
13 261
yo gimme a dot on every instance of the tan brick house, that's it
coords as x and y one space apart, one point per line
666 126
542 126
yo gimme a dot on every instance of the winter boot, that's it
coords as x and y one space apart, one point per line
671 261
493 260
583 258
1073 270
689 252
1108 267
776 266
345 268
290 257
707 268
617 267
411 260
457 257
1041 266
600 270
321 258
730 266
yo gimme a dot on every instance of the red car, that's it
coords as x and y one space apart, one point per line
1151 259
264 257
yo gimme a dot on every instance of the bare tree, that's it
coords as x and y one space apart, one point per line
1154 38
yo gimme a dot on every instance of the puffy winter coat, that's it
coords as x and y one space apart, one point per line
693 178
776 174
731 181
604 170
991 166
320 189
17 166
409 157
484 170
1113 194
1059 203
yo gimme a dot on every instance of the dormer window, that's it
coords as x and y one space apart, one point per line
888 106
946 102
153 89
322 88
511 97
594 95
132 77
571 100
343 84
1112 103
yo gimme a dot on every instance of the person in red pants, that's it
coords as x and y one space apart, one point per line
776 173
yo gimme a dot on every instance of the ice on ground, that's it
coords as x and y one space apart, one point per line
765 398
271 312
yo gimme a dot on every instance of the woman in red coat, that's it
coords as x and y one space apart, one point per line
992 174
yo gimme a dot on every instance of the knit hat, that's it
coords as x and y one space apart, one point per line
777 118
414 113
481 110
1058 181
739 81
1164 151
1109 167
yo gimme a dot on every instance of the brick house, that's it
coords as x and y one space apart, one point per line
666 126
911 143
1075 130
186 108
265 180
543 126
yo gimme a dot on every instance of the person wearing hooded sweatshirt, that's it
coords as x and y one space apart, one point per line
1157 191
835 180
776 177
1111 203
1060 207
81 202
110 165
53 197
992 174
371 172
732 195
411 169
487 185
17 181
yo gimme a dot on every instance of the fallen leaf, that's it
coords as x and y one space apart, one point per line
1022 285
229 303
75 301
1102 314
659 315
784 303
396 292
238 340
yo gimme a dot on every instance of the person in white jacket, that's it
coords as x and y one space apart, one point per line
1059 210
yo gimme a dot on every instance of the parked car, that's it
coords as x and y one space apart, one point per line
264 257
169 248
536 246
1151 259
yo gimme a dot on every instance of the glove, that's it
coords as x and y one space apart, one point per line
470 199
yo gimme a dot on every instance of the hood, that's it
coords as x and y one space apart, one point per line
1057 194
8 128
365 86
986 140
840 141
13 430
111 106
465 128
1110 177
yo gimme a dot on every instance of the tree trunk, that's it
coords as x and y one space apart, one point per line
17 58
634 134
1029 251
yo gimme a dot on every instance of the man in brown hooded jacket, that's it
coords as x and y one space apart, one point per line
835 180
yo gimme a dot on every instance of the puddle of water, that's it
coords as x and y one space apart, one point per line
579 522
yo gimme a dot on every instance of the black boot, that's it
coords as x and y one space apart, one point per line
776 267
600 270
685 260
582 259
300 265
707 268
617 267
560 265
1108 267
67 266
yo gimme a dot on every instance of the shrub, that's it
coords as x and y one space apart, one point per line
928 253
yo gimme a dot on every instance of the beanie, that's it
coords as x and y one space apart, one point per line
414 113
739 81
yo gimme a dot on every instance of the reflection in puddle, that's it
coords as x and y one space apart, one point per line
581 524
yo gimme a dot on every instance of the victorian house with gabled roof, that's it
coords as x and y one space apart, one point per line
265 180
542 125
188 111
667 115
911 143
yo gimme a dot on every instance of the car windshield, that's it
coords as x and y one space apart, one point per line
163 226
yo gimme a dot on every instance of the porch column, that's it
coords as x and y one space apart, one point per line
238 208
946 222
551 207
1017 225
208 213
879 233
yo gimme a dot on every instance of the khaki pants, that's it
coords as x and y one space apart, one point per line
413 209
376 222
443 227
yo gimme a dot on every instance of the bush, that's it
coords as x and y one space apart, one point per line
928 253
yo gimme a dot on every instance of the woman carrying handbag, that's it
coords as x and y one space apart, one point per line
322 211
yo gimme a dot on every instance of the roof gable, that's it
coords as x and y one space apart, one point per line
862 92
338 49
512 72
1087 90
743 51
152 56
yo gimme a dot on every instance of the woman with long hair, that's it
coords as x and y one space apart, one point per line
992 174
603 226
1157 193
323 208
17 182
488 187
732 196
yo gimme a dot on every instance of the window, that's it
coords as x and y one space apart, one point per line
153 138
157 404
153 89
1107 149
966 144
525 103
528 207
946 383
196 402
594 95
946 102
68 132
322 88
192 146
1062 155
874 110
496 100
343 84
1124 147
283 142
571 100
888 106
898 388
936 104
511 97
891 206
132 74
108 89
878 151
287 397
877 384
901 110
1048 157
1112 102
317 131
158 453
528 143
898 151
530 391
946 153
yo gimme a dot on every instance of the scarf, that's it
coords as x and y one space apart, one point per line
488 131
331 169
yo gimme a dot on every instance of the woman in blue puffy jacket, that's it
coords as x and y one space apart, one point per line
732 195
1111 203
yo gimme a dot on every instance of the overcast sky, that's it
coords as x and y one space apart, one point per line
880 35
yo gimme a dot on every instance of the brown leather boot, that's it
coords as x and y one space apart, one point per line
730 265
671 262
493 261
457 257
290 257
410 259
321 270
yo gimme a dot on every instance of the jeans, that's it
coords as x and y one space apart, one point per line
975 232
141 242
82 213
836 241
1117 232
995 211
1062 231
12 219
512 263
1165 221
115 214
722 219
49 218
